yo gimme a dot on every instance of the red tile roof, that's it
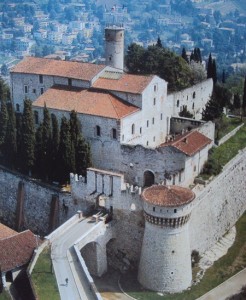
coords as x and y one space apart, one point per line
189 143
61 68
6 231
126 83
16 250
172 195
84 101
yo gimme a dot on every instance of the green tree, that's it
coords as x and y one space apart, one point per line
244 97
184 55
159 43
214 72
10 144
134 58
66 155
223 77
4 70
54 147
38 164
83 157
212 110
28 137
3 122
185 113
46 143
237 101
210 67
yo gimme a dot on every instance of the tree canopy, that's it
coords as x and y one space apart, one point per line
159 61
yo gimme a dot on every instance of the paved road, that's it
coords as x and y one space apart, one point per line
66 266
228 288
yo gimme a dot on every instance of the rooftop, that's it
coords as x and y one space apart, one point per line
6 231
170 196
61 68
83 101
122 82
16 250
189 143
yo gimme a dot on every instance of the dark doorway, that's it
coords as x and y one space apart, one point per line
149 178
9 276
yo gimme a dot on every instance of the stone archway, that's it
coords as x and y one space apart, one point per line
149 178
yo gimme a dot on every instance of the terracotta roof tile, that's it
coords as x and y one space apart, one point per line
125 83
84 101
172 195
17 250
189 143
52 67
6 231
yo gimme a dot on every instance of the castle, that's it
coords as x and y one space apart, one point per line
137 140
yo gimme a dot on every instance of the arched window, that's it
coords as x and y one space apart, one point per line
98 130
114 134
149 178
133 128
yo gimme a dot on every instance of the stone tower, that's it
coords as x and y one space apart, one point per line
165 262
114 46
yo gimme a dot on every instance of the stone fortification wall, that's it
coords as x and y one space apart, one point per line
35 212
229 135
219 205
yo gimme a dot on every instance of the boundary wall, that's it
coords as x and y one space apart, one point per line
229 135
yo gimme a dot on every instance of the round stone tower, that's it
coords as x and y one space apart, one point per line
114 46
165 262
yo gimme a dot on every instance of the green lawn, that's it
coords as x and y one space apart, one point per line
5 296
43 279
224 268
226 126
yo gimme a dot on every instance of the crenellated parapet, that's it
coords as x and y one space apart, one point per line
167 222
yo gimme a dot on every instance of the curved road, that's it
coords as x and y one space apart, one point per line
66 266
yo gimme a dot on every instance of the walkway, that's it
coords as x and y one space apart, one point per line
66 266
228 288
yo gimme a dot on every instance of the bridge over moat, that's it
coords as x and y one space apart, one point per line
86 236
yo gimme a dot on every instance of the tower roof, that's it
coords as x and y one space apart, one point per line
170 196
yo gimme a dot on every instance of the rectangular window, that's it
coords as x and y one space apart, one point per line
41 90
153 120
25 89
41 79
161 116
147 123
140 130
34 91
154 101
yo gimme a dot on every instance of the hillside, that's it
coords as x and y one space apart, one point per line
226 6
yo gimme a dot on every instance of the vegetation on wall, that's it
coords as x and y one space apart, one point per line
44 151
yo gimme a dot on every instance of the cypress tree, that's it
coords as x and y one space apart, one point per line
210 67
196 55
199 55
74 127
18 117
212 111
244 97
223 77
3 122
159 43
54 147
192 57
38 166
237 101
214 72
46 143
184 55
10 144
28 137
66 163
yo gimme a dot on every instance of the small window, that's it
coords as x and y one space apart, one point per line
161 116
140 130
194 95
36 117
155 88
98 130
123 137
26 89
69 81
153 208
154 139
147 144
34 91
133 128
147 123
114 135
194 168
177 103
153 120
110 58
193 105
175 210
154 101
41 90
41 79
17 107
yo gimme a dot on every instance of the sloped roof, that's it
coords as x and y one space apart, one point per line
125 83
172 195
6 231
16 250
189 143
52 67
83 101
